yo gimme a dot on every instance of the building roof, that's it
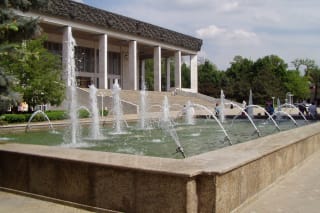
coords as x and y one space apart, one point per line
75 11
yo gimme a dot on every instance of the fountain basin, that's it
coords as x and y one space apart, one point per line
217 181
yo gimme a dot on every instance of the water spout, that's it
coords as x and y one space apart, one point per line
34 114
95 126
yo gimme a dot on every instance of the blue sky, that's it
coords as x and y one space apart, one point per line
250 28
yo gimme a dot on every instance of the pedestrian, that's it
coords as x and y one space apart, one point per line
313 111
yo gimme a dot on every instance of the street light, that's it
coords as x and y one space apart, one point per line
101 103
272 101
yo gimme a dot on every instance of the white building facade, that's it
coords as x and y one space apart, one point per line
111 46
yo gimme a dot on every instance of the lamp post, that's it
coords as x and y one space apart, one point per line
101 104
272 101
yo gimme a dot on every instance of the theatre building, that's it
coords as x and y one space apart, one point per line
111 46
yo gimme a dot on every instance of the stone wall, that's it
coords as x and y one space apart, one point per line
218 181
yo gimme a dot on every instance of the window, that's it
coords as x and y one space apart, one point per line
84 59
114 60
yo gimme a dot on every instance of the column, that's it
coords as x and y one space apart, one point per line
177 70
67 54
168 74
132 65
143 72
194 73
157 68
103 61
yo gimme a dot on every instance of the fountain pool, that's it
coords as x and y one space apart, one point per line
205 135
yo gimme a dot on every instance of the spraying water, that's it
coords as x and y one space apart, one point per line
222 108
189 113
167 125
250 103
117 108
95 127
143 122
72 86
34 114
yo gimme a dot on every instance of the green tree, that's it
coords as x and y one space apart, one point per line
38 74
297 85
240 77
185 76
268 77
13 29
314 78
210 79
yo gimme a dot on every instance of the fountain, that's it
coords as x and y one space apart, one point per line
143 108
95 126
222 108
34 114
167 125
117 109
72 86
247 115
250 102
189 113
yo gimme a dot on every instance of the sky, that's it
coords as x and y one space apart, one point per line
249 28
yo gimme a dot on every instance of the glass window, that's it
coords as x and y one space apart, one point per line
114 60
84 59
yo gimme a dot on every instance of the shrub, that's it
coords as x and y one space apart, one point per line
16 118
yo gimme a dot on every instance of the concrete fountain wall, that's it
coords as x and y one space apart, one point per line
217 181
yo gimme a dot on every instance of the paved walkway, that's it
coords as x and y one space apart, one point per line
14 203
297 192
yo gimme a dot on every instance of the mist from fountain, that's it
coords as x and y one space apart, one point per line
95 126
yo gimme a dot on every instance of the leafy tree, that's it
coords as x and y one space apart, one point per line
309 64
185 76
314 77
297 84
210 79
38 74
14 29
240 77
268 76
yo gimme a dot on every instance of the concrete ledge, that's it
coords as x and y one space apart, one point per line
217 181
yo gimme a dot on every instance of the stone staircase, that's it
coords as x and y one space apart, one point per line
131 100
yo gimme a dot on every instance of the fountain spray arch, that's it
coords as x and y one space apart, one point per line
217 120
265 111
246 114
286 114
33 115
293 106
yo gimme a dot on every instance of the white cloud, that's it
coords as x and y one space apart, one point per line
210 32
225 35
251 28
229 6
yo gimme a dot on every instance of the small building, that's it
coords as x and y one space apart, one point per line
112 46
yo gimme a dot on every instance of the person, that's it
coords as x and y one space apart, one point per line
217 109
313 111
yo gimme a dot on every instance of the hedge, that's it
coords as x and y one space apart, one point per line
52 115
